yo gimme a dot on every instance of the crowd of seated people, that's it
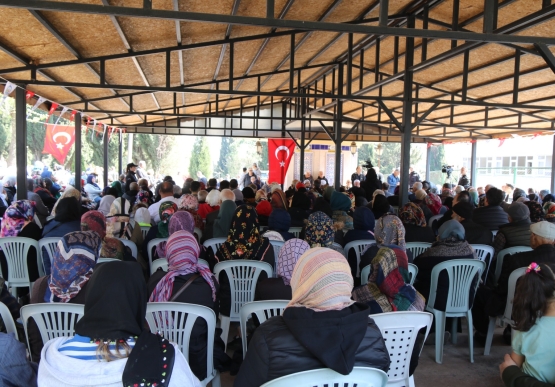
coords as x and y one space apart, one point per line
249 220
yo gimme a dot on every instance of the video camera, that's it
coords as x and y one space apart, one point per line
448 169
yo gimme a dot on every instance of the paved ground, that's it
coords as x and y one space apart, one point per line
456 370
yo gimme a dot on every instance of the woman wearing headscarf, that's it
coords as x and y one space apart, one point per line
111 247
299 209
363 226
263 210
189 203
278 199
380 206
72 266
433 202
243 242
549 210
421 197
115 347
9 187
160 230
106 202
67 219
414 221
119 188
260 195
320 231
180 221
341 206
223 220
39 187
536 211
92 189
18 222
280 221
474 197
450 245
280 288
182 252
248 196
320 328
69 191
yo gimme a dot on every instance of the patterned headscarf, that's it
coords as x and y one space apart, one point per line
72 265
189 202
319 230
182 254
433 202
166 211
411 213
536 211
111 247
288 257
278 199
16 216
38 184
321 281
388 289
180 221
244 240
143 196
389 230
549 209
68 192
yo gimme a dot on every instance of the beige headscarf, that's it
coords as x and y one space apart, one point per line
321 281
69 192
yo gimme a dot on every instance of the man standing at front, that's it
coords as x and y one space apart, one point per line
393 181
358 175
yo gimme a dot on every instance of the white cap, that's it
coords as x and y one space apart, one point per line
543 229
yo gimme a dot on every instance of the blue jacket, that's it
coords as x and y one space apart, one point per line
392 181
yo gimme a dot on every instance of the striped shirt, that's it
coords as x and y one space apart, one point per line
81 347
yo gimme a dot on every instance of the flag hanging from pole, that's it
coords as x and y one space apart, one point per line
280 152
8 89
58 141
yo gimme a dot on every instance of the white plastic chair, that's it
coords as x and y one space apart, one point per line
461 273
506 318
277 245
131 245
501 258
364 274
104 260
494 233
15 250
50 245
435 217
399 331
482 252
150 247
263 311
325 377
359 247
8 320
144 230
413 272
295 231
177 329
214 243
53 319
198 234
243 275
337 246
417 248
157 264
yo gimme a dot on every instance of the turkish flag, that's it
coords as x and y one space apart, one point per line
280 152
58 141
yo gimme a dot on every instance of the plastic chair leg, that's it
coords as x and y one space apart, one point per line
489 337
440 333
454 330
224 324
411 381
470 335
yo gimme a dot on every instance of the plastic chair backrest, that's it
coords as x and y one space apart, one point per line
482 252
295 231
8 320
198 234
15 250
337 245
417 248
178 327
243 275
53 319
494 233
277 245
513 278
413 272
47 248
461 273
501 257
214 243
150 247
395 210
131 245
399 331
104 260
359 247
144 230
364 274
159 263
325 377
435 217
263 311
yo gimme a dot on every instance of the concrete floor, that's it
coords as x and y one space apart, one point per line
456 370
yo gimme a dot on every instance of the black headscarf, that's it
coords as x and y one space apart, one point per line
322 205
380 206
68 210
300 200
115 309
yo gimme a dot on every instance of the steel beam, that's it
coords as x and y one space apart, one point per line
473 164
21 141
77 151
106 156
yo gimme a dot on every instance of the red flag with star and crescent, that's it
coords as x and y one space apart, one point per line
58 141
280 152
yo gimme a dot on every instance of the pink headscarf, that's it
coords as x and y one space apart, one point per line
181 220
288 256
182 254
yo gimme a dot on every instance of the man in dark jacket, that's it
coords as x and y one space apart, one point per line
463 179
492 215
474 232
491 302
517 231
414 177
131 177
358 175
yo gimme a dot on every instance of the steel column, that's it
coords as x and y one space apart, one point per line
120 156
106 155
553 168
473 163
129 148
302 146
78 145
407 117
21 141
428 159
337 129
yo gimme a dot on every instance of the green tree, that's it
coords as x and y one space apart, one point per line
437 156
201 158
224 162
391 157
263 161
152 148
365 153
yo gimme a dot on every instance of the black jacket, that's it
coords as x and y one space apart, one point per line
490 217
476 234
516 233
129 178
303 340
414 233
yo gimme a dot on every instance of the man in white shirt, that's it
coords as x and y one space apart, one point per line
166 193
